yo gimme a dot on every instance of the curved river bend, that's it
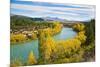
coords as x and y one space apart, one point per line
21 51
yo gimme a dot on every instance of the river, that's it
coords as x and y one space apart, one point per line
21 50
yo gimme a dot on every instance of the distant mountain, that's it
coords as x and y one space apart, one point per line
19 17
40 18
53 19
25 17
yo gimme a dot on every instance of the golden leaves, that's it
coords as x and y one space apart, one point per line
17 38
31 58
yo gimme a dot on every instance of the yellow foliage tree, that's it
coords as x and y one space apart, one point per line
31 58
81 36
49 47
15 63
79 26
57 26
17 38
34 36
67 47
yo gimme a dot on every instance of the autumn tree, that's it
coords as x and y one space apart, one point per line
46 45
79 26
17 38
31 58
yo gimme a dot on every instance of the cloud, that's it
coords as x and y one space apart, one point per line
63 12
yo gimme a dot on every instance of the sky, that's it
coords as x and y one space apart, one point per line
71 12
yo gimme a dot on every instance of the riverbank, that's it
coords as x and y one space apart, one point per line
25 48
31 46
78 53
23 36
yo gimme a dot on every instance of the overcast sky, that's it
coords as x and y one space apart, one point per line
70 12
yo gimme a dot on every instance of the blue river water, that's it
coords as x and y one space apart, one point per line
21 50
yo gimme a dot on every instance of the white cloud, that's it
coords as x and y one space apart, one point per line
70 13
